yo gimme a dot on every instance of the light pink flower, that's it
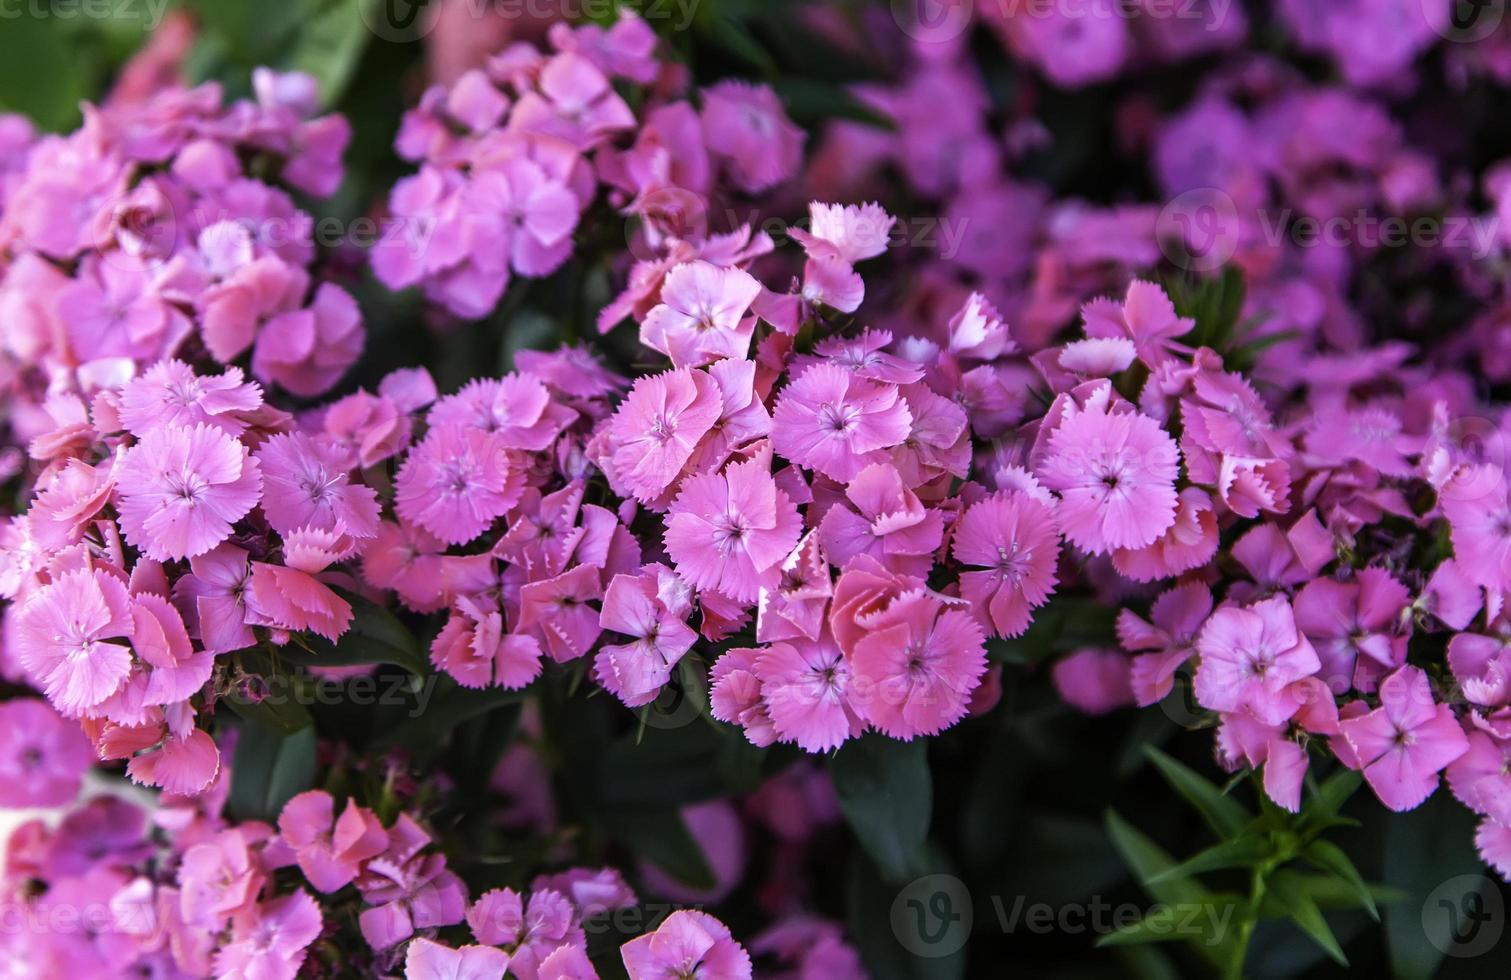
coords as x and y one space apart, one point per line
1146 317
182 489
725 529
456 482
887 522
211 598
557 612
1249 659
653 611
43 758
1346 619
1013 536
65 639
271 940
916 667
745 125
305 483
1403 744
330 850
832 421
657 428
1176 616
171 394
806 689
687 944
427 960
474 649
517 407
307 351
702 314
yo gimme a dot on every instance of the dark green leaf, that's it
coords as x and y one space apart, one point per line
1329 857
268 769
661 837
330 45
35 73
1292 893
886 794
1225 815
1241 852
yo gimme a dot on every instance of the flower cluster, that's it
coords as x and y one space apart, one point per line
513 155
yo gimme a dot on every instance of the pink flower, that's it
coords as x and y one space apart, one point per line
531 931
1479 514
517 407
1146 317
702 315
233 311
407 888
725 529
474 649
736 695
456 482
305 483
271 940
1188 543
64 639
916 667
171 394
687 944
307 351
1346 619
657 428
1403 744
1013 536
183 765
832 421
211 599
427 960
557 611
290 597
44 757
806 689
330 850
1176 617
575 102
182 489
1093 681
888 523
1249 659
745 125
795 594
1115 472
651 609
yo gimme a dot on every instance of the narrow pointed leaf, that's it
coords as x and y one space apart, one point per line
1225 815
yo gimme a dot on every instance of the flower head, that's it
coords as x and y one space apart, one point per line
181 489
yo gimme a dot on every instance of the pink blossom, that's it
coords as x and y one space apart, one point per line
557 612
687 944
745 126
1170 636
427 960
1188 543
307 351
1094 681
474 649
44 757
330 850
702 314
270 940
831 420
657 428
407 888
1346 619
233 311
305 483
518 408
65 636
182 489
915 669
736 695
171 394
456 482
1013 536
650 609
806 690
1250 657
725 529
1145 317
211 597
1403 744
795 594
888 522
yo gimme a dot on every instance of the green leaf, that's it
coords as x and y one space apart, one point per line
449 704
1149 861
38 74
1204 925
886 794
661 837
268 769
329 46
1225 815
1292 892
883 917
1241 852
375 637
1329 857
1335 791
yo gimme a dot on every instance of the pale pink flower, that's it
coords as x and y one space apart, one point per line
306 483
518 408
307 351
806 690
887 522
746 126
270 940
1403 744
795 594
233 311
70 639
915 669
212 601
330 850
1249 659
557 612
725 529
170 393
1188 543
833 421
427 960
657 428
529 930
687 944
43 758
1013 536
702 314
182 489
653 612
1170 636
456 482
474 649
735 696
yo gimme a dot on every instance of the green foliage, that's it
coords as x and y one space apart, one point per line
885 792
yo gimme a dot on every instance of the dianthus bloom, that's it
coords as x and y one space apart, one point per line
171 393
181 489
306 484
1115 473
456 482
701 317
687 944
1249 659
725 529
42 756
1013 536
71 639
657 428
833 421
916 667
746 125
1403 744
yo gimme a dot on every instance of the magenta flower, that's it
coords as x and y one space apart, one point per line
517 407
806 688
171 394
1346 619
64 638
427 960
408 888
1094 681
211 598
330 850
657 428
1476 505
834 422
1249 659
887 522
557 612
914 671
306 484
1013 536
271 940
307 351
1115 473
1170 638
746 126
725 529
474 649
687 944
456 482
637 606
44 757
1403 744
182 489
702 315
